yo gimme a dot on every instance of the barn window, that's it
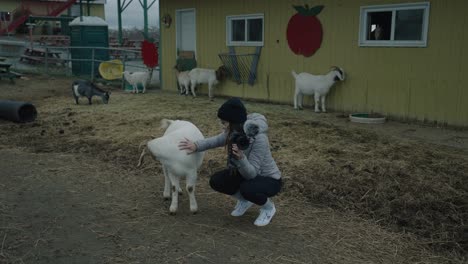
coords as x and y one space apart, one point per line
5 16
398 25
244 30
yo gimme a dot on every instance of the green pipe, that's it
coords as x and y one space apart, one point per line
145 16
119 12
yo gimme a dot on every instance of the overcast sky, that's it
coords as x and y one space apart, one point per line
132 16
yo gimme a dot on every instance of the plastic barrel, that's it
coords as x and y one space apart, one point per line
17 111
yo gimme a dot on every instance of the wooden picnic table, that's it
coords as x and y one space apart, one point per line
5 72
38 55
53 40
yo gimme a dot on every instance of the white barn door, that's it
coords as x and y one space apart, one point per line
186 30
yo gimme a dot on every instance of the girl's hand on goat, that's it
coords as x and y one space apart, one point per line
188 145
236 152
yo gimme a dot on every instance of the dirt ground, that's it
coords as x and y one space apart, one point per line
70 191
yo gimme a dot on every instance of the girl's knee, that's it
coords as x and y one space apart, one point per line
220 183
214 183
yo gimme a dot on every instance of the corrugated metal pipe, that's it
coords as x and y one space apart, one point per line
17 111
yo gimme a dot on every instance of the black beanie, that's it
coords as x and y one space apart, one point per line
233 111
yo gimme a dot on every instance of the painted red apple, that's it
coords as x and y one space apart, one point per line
304 32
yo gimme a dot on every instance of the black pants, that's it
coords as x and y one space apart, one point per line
256 190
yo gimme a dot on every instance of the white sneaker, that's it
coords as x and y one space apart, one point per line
241 207
265 216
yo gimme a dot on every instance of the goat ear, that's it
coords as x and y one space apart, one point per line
221 73
338 69
165 123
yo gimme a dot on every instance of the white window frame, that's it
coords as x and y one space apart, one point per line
363 42
229 19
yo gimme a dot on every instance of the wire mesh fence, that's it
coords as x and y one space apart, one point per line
67 61
240 66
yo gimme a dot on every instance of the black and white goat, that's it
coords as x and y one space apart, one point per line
317 85
208 76
84 88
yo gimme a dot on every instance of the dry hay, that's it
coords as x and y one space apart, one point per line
403 185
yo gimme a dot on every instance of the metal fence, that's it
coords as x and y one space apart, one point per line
58 60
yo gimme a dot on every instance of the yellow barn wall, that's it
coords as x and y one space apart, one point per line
407 83
41 8
8 5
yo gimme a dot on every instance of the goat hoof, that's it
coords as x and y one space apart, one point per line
172 213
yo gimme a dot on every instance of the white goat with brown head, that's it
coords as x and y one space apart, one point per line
209 76
317 85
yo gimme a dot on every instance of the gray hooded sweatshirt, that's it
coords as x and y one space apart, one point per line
257 160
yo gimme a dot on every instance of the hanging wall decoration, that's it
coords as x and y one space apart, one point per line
304 32
167 20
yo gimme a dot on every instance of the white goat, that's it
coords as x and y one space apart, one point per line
317 85
136 78
176 163
208 76
184 83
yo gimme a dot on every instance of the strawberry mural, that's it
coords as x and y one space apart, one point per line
149 53
304 32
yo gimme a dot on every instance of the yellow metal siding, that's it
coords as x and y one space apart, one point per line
8 5
409 83
95 10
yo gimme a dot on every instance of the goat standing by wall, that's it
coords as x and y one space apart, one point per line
176 164
317 85
84 88
183 79
208 76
